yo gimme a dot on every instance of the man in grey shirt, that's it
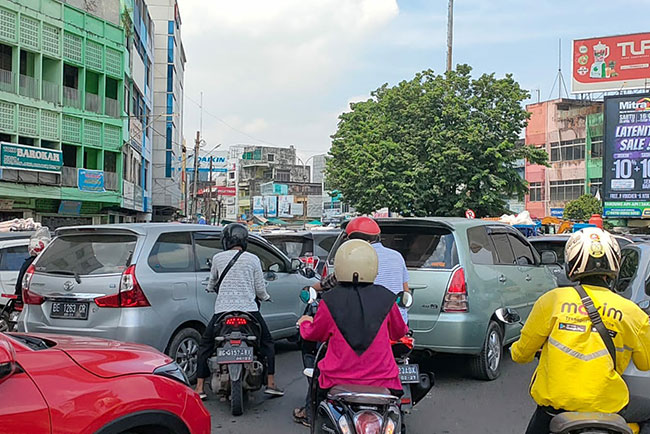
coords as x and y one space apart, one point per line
239 289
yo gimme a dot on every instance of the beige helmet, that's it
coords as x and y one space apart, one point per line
592 252
356 262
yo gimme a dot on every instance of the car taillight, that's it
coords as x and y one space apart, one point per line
310 261
368 422
129 295
323 273
456 295
30 297
236 321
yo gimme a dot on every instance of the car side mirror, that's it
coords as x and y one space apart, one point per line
7 359
274 268
296 264
208 262
404 299
645 306
308 272
507 315
549 257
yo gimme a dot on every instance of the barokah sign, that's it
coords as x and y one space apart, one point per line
20 157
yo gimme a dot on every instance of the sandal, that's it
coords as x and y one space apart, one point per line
300 416
203 396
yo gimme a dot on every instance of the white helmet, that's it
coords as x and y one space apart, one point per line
39 241
356 262
592 252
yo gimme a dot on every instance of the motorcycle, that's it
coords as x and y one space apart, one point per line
415 384
574 422
10 312
235 366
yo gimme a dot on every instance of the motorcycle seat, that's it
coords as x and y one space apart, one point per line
358 394
570 421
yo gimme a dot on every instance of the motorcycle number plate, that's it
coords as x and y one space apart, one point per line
409 373
234 355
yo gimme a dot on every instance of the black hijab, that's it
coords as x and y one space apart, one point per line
359 311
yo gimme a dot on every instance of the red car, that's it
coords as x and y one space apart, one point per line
64 384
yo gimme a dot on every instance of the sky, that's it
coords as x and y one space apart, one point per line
280 72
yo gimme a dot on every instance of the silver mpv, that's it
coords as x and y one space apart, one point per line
146 283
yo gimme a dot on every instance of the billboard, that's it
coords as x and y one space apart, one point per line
258 205
284 206
611 63
271 206
626 156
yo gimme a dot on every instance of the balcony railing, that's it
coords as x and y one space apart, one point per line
28 86
92 103
71 97
69 176
110 181
112 108
51 92
7 81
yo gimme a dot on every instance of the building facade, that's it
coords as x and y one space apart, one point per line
169 71
560 127
61 112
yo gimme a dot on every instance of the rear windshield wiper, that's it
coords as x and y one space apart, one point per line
65 273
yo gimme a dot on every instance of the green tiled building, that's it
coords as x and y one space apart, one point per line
61 92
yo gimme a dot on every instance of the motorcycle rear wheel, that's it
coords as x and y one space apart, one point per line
236 398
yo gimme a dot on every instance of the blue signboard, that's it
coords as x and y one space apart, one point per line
557 212
70 207
91 180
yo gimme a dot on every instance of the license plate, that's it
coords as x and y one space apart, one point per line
69 310
234 355
409 373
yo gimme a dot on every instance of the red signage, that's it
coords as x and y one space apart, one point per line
220 191
611 63
470 214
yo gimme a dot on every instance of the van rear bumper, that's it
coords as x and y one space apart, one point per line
458 333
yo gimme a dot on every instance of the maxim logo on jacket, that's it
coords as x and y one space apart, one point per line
575 308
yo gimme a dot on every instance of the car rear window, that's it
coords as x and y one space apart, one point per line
294 246
87 254
553 246
12 258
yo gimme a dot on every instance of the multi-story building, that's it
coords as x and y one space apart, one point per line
169 71
319 168
61 107
560 127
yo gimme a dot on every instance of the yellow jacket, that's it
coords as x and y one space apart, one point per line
575 371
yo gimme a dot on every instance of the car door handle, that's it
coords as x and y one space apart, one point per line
412 287
528 278
502 278
205 281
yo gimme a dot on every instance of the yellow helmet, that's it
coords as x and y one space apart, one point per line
356 262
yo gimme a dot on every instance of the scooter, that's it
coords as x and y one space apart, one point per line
415 384
574 422
10 312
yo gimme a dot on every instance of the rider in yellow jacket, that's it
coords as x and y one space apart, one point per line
576 371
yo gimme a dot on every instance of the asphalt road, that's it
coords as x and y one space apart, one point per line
457 403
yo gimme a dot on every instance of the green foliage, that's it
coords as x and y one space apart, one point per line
582 208
434 145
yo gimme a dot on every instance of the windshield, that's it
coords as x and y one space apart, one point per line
87 254
294 246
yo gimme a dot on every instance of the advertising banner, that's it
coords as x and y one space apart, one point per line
297 209
70 207
611 63
284 206
557 212
258 205
626 156
271 205
21 157
91 180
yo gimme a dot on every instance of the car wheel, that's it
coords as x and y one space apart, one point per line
487 365
184 349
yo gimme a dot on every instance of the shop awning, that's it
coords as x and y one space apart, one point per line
274 221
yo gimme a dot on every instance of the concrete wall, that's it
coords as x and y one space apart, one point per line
108 10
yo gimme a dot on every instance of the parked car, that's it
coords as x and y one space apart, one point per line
311 247
63 384
461 271
556 243
13 252
146 283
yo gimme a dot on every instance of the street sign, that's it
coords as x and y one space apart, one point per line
470 214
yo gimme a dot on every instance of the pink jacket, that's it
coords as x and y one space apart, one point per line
341 365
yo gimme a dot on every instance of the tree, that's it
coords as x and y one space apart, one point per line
434 145
582 208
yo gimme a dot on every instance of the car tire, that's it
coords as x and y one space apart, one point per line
487 365
236 398
184 349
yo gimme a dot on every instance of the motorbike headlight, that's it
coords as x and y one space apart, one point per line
174 372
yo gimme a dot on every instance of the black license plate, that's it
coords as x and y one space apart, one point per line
69 310
409 373
234 355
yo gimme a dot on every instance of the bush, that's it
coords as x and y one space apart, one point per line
582 208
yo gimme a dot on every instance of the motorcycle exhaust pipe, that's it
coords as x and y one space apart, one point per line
254 374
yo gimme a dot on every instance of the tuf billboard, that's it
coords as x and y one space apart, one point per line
611 63
626 156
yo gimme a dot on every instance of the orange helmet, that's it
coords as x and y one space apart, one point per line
364 228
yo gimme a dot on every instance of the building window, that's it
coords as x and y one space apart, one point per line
569 189
170 103
568 150
270 158
170 27
536 192
595 185
170 49
597 147
170 78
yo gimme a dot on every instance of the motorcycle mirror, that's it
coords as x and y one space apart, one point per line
507 315
404 299
313 295
308 296
308 372
308 272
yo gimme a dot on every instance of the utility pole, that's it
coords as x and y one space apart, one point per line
450 34
210 193
197 143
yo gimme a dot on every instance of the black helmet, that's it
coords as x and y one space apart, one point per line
235 234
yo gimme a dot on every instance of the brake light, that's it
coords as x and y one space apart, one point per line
323 273
236 321
235 341
310 261
368 422
130 293
9 296
456 296
30 297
